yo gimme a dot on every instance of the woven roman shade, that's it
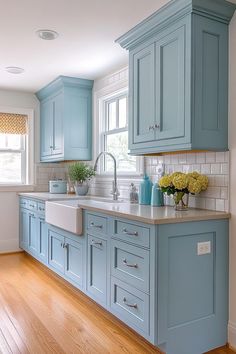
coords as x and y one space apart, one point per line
11 123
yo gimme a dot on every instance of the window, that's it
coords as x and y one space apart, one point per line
114 135
13 143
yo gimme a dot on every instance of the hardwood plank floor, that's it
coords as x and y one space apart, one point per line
41 314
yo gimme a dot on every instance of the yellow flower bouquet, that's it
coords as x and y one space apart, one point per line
181 184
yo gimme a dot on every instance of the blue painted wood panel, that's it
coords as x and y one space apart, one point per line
46 128
42 240
192 289
24 228
56 251
143 118
133 232
33 233
210 84
57 132
74 261
97 268
130 264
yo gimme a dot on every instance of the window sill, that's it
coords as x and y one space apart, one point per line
16 188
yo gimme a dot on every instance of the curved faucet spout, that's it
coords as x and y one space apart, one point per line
114 191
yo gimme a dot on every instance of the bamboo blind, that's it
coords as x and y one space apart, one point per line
11 123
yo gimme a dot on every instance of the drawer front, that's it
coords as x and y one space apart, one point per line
41 208
32 205
126 231
130 305
96 224
130 264
24 203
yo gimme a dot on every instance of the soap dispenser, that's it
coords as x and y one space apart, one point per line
157 198
145 191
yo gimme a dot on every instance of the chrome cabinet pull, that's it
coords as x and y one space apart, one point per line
31 205
97 243
41 209
135 233
97 226
129 265
157 126
151 127
65 245
135 306
31 214
41 219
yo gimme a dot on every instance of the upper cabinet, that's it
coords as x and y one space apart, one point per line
66 120
178 78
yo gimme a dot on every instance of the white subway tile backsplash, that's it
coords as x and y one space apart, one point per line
213 164
210 157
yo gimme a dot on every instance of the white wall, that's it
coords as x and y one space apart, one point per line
232 145
9 218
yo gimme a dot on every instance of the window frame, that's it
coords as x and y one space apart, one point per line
27 166
102 133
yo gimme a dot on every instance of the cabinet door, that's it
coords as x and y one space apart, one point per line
143 90
97 268
74 261
33 234
170 85
42 240
57 132
56 251
46 124
24 228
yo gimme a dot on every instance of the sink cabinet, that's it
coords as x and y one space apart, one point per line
178 78
66 119
151 277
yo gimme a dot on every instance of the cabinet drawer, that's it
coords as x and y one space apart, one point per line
96 224
130 264
32 205
126 231
24 203
41 208
130 305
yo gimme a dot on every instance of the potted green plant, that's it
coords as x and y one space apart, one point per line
80 173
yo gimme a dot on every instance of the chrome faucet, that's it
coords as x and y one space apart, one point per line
114 191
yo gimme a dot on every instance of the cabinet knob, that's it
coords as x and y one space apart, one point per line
157 126
151 127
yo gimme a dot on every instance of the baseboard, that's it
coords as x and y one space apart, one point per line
9 246
232 335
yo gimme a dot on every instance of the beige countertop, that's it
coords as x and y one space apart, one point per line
44 196
144 213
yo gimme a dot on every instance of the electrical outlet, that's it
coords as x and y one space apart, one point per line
203 248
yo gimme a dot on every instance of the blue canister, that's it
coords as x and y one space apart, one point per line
157 198
145 191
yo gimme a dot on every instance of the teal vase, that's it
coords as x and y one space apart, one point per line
145 191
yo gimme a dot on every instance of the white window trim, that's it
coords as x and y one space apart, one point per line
29 141
119 87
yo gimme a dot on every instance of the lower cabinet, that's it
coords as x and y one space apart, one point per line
97 276
66 256
151 277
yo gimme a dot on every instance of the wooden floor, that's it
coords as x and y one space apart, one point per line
40 314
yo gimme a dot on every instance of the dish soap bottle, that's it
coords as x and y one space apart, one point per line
145 191
133 194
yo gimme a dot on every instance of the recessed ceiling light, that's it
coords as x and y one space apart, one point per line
14 70
47 34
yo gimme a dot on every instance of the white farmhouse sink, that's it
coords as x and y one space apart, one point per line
65 214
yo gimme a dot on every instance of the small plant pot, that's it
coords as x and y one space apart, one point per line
81 188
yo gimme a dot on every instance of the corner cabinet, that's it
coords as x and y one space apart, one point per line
178 78
66 120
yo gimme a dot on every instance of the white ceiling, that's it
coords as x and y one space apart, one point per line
85 47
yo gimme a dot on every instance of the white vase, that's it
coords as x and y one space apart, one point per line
81 188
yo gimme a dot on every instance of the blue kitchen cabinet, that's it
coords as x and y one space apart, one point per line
33 233
97 268
66 120
178 78
24 228
66 255
42 249
56 257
